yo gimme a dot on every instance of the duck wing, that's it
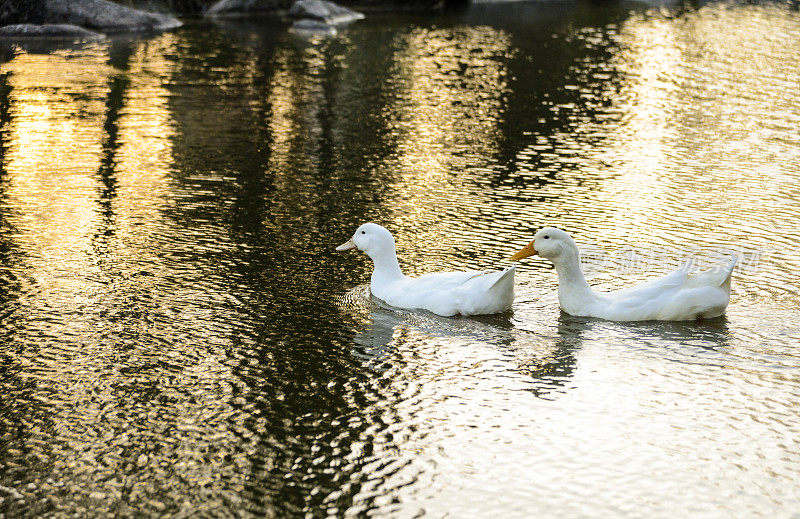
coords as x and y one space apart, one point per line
651 292
443 281
678 295
471 279
449 293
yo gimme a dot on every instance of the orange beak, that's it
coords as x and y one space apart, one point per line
526 251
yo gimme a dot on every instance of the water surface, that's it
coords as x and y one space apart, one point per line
177 336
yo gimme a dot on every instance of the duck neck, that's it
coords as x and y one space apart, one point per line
573 290
386 265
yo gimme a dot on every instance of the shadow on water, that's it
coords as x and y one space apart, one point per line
5 234
309 420
5 231
679 341
320 399
118 85
17 413
547 362
548 88
709 333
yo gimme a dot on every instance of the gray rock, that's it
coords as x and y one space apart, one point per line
102 15
238 7
323 11
29 30
320 10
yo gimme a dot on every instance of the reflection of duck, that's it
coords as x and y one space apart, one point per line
390 339
675 297
310 29
553 366
711 335
443 293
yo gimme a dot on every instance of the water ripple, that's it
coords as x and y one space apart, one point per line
178 337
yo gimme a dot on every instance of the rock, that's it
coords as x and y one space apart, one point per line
100 15
320 10
55 30
21 11
238 7
107 16
141 461
323 11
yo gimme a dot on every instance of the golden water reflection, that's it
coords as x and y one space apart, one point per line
695 152
172 338
450 91
87 179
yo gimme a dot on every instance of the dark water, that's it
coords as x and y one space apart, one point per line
177 336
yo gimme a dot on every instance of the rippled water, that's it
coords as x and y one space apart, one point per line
177 336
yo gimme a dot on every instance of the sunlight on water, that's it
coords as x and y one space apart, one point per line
86 190
177 336
450 86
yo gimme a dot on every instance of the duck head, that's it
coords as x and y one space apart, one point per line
371 238
550 243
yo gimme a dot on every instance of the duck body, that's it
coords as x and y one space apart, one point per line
448 293
443 293
678 296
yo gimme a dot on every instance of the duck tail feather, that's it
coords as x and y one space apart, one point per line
728 270
504 276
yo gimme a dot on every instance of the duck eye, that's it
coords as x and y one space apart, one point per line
363 232
546 237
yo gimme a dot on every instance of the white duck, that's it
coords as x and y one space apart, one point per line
677 296
443 293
